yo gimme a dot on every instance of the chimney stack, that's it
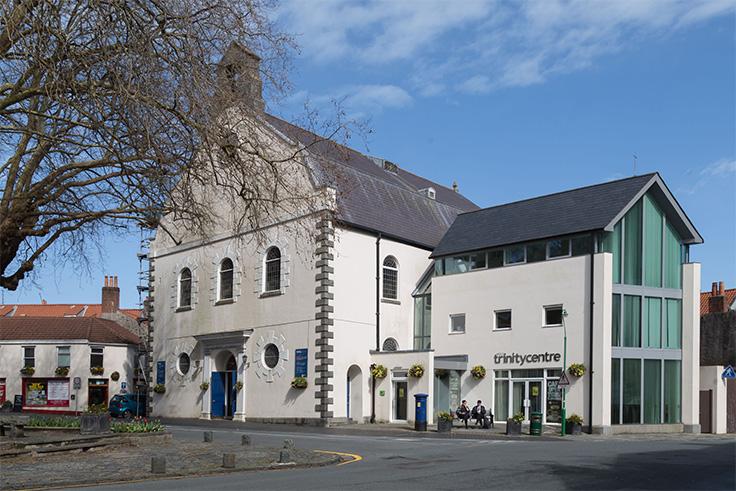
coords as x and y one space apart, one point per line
717 299
110 295
239 75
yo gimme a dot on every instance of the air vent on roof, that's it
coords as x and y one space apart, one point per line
386 165
428 192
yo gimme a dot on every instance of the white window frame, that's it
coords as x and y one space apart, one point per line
465 326
506 263
396 269
219 280
495 320
550 307
33 350
178 288
266 262
569 249
68 353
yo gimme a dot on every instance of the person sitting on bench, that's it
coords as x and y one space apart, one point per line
479 414
463 413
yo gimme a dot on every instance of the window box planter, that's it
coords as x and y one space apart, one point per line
299 383
62 371
444 422
27 371
96 370
93 423
513 425
159 389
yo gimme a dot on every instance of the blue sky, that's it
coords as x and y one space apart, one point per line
512 100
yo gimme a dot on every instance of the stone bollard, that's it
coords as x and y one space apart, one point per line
289 443
158 465
228 460
284 457
245 440
208 435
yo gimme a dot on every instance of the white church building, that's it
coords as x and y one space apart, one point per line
410 280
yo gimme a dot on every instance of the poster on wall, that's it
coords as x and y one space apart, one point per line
554 402
2 391
58 393
300 362
161 372
35 393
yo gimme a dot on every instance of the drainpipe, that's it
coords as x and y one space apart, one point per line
590 348
378 323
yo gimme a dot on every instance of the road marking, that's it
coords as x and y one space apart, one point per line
355 456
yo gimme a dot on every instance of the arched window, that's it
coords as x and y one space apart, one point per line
185 288
226 279
390 278
390 344
273 270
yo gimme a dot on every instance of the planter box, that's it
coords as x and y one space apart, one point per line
444 426
573 428
513 428
91 424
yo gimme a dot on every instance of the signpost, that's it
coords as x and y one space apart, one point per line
728 372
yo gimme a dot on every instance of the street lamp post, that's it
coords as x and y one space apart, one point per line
564 364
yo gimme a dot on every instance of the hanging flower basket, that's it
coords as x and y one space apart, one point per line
576 370
204 386
97 370
28 371
238 386
478 372
159 388
416 370
62 371
299 383
379 371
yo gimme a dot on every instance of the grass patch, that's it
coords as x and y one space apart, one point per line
53 421
138 425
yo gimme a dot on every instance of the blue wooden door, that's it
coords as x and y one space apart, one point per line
217 391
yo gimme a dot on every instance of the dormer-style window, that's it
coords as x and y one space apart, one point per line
185 288
390 278
273 270
429 192
226 279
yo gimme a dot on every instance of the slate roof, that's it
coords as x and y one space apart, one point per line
59 310
372 198
579 210
93 329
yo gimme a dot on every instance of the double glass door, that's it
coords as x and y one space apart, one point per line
527 397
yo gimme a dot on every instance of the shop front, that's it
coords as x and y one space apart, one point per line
527 391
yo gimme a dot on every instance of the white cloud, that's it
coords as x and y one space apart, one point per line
477 46
720 169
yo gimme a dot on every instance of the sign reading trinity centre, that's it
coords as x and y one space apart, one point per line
521 359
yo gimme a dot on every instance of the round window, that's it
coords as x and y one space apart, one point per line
183 363
271 355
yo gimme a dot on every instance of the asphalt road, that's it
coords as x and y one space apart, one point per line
408 463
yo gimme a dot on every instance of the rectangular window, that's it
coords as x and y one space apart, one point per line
653 221
536 252
553 315
457 323
672 258
501 400
478 260
422 322
495 258
673 322
515 255
439 267
63 356
632 245
503 319
96 357
29 356
615 391
558 248
612 243
632 391
632 321
582 245
652 322
652 391
457 264
616 320
672 394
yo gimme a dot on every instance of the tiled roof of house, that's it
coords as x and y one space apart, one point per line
379 196
705 300
579 210
93 329
60 310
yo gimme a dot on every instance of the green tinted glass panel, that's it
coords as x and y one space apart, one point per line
501 400
673 323
632 245
616 321
612 243
653 222
615 391
672 394
652 391
632 321
632 391
652 323
672 258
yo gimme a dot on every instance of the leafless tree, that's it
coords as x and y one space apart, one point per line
120 112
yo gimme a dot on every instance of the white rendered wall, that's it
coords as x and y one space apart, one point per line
710 379
602 317
422 385
691 347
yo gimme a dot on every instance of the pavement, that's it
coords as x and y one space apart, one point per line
396 458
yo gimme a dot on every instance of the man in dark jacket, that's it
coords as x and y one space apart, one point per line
463 413
479 414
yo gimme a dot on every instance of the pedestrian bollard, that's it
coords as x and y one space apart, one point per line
288 443
207 436
158 465
228 460
245 440
284 457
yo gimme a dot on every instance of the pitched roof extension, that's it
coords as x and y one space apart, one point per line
93 329
596 207
373 198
